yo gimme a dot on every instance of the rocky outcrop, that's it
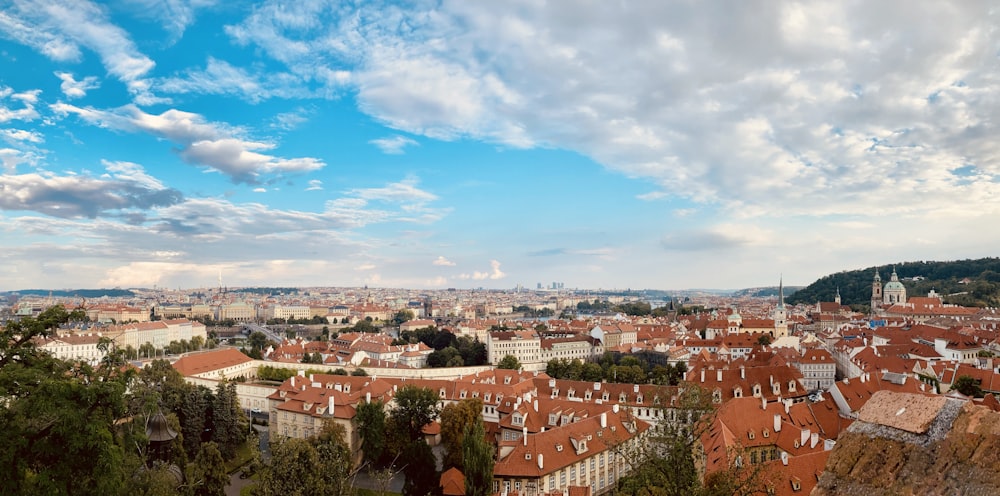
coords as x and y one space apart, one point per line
957 454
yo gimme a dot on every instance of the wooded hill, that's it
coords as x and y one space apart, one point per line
962 282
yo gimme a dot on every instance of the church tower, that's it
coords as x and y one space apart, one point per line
836 299
876 291
780 312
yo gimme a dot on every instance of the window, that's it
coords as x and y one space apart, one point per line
506 486
562 478
517 486
552 482
572 473
593 464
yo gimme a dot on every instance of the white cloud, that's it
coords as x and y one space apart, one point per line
393 145
26 99
315 185
20 135
76 89
821 109
176 15
443 262
401 192
204 143
493 274
260 190
58 29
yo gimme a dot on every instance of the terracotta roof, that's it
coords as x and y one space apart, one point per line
199 363
453 482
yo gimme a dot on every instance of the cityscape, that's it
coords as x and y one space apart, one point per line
518 248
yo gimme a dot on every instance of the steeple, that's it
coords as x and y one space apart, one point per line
836 299
781 292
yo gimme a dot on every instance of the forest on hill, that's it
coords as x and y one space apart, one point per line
962 282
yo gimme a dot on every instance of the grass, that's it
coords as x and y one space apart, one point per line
244 454
360 491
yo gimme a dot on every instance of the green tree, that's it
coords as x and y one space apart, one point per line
455 418
402 316
477 458
968 386
371 422
207 474
59 419
192 415
420 470
229 424
298 468
509 362
415 408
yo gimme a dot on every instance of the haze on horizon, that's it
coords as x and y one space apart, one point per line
437 144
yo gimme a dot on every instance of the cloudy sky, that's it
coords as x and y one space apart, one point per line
434 144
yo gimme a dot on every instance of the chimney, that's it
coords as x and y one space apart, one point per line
718 375
777 423
804 438
368 397
788 406
614 408
784 458
302 373
743 372
604 420
635 388
524 435
293 381
763 402
702 375
536 405
828 444
312 378
541 464
813 439
329 405
862 378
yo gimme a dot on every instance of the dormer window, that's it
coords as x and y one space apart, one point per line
776 388
766 433
527 456
717 396
486 397
638 399
738 392
605 396
475 394
751 435
462 394
517 419
791 386
587 395
441 393
756 390
571 393
559 448
621 398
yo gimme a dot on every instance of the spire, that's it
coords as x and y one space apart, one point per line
781 291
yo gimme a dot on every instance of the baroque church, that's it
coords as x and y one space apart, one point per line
894 292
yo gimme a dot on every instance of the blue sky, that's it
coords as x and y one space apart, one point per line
488 144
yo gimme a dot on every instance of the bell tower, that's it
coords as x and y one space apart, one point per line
876 291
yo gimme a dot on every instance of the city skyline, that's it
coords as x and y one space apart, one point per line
455 144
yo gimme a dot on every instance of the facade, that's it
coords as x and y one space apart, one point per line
894 291
818 369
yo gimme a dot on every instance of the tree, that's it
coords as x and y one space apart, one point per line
59 418
415 407
370 418
455 419
207 475
764 339
968 386
420 470
402 316
229 424
477 458
297 468
192 415
509 362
